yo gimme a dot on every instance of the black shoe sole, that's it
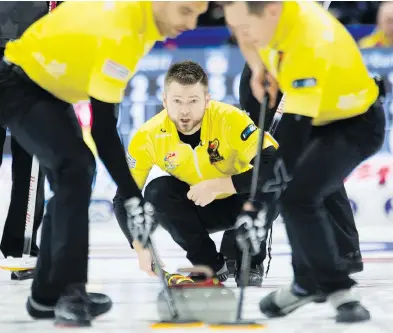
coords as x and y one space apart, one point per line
252 284
69 324
320 297
99 308
356 314
269 308
39 314
96 309
22 276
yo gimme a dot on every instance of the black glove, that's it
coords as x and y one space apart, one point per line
252 229
140 219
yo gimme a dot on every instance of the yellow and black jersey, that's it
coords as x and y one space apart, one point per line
86 49
229 141
318 65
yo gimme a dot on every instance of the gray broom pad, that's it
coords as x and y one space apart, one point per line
207 304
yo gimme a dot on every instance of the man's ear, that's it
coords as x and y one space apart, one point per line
164 100
274 9
207 99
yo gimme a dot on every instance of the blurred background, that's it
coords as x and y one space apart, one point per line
348 12
370 187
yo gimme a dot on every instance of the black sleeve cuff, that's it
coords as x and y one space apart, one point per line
121 216
242 181
110 148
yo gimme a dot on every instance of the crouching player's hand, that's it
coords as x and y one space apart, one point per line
250 228
140 219
145 258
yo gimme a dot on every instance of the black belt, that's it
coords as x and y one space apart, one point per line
4 41
381 86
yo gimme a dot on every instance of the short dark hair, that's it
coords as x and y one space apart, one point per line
254 7
186 73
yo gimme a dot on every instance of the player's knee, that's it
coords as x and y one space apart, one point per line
89 163
295 198
156 190
161 191
79 166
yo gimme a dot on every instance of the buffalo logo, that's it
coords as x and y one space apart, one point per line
212 150
170 161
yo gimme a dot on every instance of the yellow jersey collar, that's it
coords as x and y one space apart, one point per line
151 31
289 20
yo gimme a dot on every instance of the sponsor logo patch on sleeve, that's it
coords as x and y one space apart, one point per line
115 70
248 131
305 83
131 161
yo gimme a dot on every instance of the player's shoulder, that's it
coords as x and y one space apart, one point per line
320 28
223 111
320 34
117 15
229 119
153 125
134 8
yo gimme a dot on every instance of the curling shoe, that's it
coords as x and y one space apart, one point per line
355 266
22 275
255 276
231 264
223 274
349 309
220 269
283 301
74 308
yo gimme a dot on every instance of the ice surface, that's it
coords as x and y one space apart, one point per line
114 270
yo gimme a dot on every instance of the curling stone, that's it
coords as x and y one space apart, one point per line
209 301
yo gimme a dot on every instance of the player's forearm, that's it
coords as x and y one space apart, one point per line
121 216
295 133
110 148
242 181
223 186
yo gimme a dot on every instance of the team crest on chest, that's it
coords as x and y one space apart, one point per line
212 150
170 161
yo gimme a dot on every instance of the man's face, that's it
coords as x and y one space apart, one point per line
255 29
385 20
186 105
179 16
